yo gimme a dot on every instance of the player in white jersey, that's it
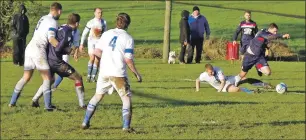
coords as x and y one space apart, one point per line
96 27
75 45
215 77
115 48
36 56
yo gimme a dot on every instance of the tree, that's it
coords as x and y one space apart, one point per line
10 7
166 46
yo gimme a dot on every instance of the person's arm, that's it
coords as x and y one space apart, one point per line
27 25
76 44
222 80
61 35
129 58
84 34
256 29
235 36
184 32
207 29
198 84
52 33
222 85
270 37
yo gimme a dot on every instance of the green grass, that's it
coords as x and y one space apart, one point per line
165 106
148 18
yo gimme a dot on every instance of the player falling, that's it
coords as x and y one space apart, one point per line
36 55
116 49
95 27
58 65
255 53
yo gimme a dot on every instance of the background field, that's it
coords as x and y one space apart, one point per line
166 105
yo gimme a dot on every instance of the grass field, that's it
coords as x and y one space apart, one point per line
165 106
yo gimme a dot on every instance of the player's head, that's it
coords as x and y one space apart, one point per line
74 20
98 13
247 15
123 21
196 11
209 69
273 28
56 10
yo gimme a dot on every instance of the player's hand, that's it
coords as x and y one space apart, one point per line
138 76
81 48
234 42
287 36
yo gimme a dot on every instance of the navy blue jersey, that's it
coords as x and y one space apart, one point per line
259 43
65 39
247 29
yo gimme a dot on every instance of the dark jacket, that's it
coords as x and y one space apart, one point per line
198 26
184 28
259 43
20 23
65 39
247 29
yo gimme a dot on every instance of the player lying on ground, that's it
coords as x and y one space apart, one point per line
215 77
255 54
58 65
36 55
115 48
96 27
75 45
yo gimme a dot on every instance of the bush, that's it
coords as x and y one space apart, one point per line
154 53
214 49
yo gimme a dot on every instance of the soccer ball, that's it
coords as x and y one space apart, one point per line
281 88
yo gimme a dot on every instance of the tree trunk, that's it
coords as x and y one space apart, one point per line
166 47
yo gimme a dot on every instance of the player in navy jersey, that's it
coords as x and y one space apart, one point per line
255 53
58 65
248 29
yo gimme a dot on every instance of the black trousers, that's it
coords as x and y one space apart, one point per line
182 53
198 44
19 45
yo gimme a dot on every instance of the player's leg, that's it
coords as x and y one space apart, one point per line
91 60
29 66
39 93
19 86
232 88
79 87
59 79
182 54
103 85
123 89
94 69
263 66
247 64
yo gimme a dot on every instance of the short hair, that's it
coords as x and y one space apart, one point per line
247 11
97 8
273 25
209 66
73 18
123 20
56 6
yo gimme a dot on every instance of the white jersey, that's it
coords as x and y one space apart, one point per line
45 29
116 45
95 27
215 80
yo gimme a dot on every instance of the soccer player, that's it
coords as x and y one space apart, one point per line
75 44
115 48
36 55
248 29
95 27
58 65
255 53
215 77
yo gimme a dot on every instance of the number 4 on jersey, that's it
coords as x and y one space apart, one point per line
112 43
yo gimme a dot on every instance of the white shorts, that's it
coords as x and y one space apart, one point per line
35 63
91 46
230 80
108 84
66 58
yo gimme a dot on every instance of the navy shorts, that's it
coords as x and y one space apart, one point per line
249 61
61 68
